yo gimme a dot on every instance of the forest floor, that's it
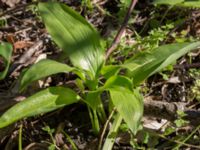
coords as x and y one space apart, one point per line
148 27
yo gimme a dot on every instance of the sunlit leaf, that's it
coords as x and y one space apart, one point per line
42 102
109 70
5 53
128 102
147 63
74 35
168 2
129 106
42 69
117 80
191 3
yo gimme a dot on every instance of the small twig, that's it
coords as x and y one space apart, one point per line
15 9
168 111
121 30
178 142
105 127
187 138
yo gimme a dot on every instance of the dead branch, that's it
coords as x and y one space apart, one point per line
168 111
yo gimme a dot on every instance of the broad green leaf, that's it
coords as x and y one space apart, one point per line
168 2
5 52
147 63
184 3
191 3
129 106
110 70
74 35
129 103
93 99
42 69
42 102
117 80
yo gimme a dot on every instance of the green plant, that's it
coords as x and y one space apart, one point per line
80 41
50 132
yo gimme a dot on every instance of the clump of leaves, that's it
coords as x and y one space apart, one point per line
81 42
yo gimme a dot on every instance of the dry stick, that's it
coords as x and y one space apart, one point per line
168 111
178 142
121 30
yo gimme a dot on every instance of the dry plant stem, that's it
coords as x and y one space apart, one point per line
105 127
168 111
178 142
121 30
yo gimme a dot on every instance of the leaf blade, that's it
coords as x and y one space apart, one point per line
129 102
148 63
44 101
42 69
80 40
5 52
129 105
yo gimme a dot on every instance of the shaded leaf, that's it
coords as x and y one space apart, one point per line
93 100
147 63
42 69
5 52
74 35
42 102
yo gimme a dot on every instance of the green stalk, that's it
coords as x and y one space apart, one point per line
94 120
20 138
110 139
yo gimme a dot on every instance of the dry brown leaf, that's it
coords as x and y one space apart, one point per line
22 44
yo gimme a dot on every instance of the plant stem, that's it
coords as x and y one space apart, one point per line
122 29
20 138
